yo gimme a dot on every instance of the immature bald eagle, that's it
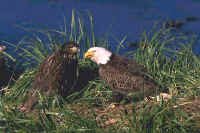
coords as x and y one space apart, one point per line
56 74
123 75
3 71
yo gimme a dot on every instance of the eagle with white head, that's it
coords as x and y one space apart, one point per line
123 75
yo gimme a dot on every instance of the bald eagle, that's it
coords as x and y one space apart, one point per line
56 75
123 76
3 71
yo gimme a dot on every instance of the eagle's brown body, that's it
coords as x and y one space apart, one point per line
4 75
125 76
3 72
56 75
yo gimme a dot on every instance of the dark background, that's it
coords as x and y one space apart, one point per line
121 17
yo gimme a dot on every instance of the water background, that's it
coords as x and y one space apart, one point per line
121 17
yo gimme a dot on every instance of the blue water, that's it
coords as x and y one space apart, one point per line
121 17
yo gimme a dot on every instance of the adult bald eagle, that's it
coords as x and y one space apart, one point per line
123 75
56 75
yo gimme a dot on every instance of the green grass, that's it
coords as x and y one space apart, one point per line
89 109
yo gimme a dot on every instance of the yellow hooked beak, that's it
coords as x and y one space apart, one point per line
89 54
75 49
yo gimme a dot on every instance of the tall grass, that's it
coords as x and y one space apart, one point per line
171 60
89 109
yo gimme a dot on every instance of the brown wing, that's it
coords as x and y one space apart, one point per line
127 65
45 73
124 75
56 75
41 82
4 75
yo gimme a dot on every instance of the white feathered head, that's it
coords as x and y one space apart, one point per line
98 54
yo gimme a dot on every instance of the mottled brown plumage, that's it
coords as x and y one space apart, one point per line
4 75
2 70
56 75
123 75
126 76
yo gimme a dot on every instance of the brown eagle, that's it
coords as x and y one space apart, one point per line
4 75
124 76
57 74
